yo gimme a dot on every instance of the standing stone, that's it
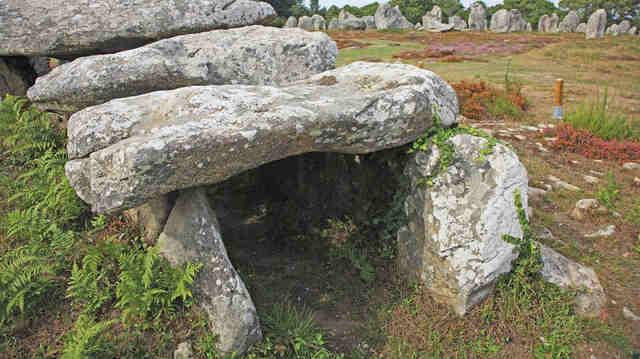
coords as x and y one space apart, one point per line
543 23
432 21
16 75
567 274
390 17
477 17
305 23
501 21
570 22
418 27
529 28
72 28
132 149
517 22
192 234
370 22
318 23
333 25
253 55
458 23
582 27
152 216
554 23
623 27
596 25
453 242
612 30
349 21
291 22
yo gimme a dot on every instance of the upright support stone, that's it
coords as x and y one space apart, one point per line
192 234
152 216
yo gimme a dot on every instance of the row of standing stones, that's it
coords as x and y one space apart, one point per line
389 17
170 98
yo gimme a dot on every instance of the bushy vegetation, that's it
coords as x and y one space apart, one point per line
481 101
584 142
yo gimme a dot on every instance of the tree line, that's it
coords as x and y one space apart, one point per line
413 10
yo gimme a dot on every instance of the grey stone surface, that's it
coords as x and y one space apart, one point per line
631 165
628 314
305 23
291 22
554 23
582 207
596 25
570 22
582 27
458 23
623 27
333 24
607 231
129 150
633 30
453 242
192 234
501 21
72 28
249 55
390 17
16 75
477 17
432 21
183 351
152 216
40 64
567 274
612 30
543 23
318 23
348 21
518 23
370 22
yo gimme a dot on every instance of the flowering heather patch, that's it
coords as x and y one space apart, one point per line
583 141
478 99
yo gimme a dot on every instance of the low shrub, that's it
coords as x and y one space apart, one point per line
583 141
480 101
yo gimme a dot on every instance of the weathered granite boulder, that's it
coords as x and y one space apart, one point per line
183 351
543 23
477 17
333 25
501 21
518 23
291 22
453 242
72 28
623 27
582 27
348 21
432 21
458 23
565 273
16 75
152 216
129 150
390 17
249 55
370 22
596 25
529 28
612 30
554 23
192 234
633 30
318 23
418 27
305 23
570 22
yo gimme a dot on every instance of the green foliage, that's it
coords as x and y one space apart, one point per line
359 259
413 10
598 118
85 341
617 10
532 10
609 193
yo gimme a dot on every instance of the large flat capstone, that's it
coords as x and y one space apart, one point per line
252 55
72 28
129 150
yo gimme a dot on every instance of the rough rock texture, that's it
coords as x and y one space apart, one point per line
529 28
568 274
249 55
291 22
554 23
390 17
305 23
582 27
623 27
348 21
458 23
543 23
192 234
370 22
152 216
39 64
612 30
501 21
140 147
183 351
570 22
477 17
318 23
453 243
72 28
16 75
432 21
633 30
333 24
518 23
596 25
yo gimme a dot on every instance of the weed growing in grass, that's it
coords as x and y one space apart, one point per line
586 143
609 193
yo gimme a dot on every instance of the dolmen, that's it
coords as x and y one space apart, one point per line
197 94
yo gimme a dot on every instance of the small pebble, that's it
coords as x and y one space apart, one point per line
605 232
631 166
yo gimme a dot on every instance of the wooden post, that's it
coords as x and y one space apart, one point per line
557 99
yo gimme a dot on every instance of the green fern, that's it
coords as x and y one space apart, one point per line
85 341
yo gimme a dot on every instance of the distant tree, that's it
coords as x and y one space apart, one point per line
298 10
413 10
332 11
314 6
449 8
532 10
617 10
370 9
282 7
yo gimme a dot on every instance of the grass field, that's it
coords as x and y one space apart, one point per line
323 289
